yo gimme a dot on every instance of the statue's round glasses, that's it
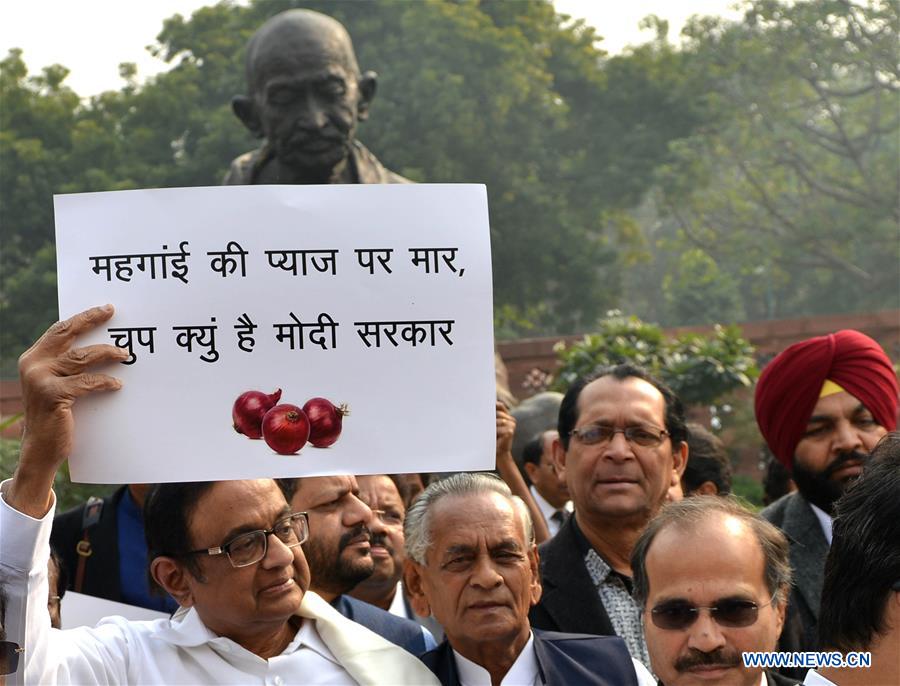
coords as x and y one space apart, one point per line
251 547
678 615
642 435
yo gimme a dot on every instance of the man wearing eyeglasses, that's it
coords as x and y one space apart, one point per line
713 581
229 552
621 447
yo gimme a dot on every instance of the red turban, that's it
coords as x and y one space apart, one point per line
789 387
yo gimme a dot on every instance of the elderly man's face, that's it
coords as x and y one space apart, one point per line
618 478
241 601
839 436
339 545
680 573
481 576
381 495
308 101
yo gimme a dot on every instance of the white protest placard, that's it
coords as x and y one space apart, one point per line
374 296
78 610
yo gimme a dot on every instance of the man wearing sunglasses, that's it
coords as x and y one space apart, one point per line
621 447
822 405
713 581
229 552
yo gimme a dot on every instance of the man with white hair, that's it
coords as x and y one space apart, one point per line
472 563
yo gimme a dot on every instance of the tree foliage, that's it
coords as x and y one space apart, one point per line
791 187
751 173
700 369
507 94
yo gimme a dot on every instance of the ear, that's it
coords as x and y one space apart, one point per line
534 562
706 488
414 585
679 462
559 459
245 110
367 85
530 469
173 577
780 611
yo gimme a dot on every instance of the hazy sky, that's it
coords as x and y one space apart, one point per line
91 37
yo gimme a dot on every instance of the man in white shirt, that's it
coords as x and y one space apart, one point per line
713 582
472 562
549 491
229 552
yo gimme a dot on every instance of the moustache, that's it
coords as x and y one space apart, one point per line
382 540
697 658
841 461
356 531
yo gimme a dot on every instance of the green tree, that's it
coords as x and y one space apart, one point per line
791 186
700 369
508 94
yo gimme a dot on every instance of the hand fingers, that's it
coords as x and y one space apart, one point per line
75 361
61 334
91 382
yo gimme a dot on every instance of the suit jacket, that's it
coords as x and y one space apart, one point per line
402 632
570 601
101 571
808 550
563 659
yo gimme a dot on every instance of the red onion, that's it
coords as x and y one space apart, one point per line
249 409
325 421
285 428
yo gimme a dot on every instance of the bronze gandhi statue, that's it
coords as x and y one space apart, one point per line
306 95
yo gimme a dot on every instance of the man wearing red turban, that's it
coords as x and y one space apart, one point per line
821 405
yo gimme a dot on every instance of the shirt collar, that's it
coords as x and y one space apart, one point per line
523 671
546 508
824 521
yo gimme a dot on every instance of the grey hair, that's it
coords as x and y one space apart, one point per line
417 527
689 513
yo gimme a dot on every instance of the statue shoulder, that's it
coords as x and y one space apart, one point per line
370 170
243 169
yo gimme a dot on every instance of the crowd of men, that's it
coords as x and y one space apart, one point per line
350 579
610 553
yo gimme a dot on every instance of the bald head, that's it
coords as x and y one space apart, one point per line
305 96
297 36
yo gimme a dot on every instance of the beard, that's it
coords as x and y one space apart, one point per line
341 572
818 487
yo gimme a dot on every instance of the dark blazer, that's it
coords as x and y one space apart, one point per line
402 632
101 572
777 679
808 550
563 659
570 601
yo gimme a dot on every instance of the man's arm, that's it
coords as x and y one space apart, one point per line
509 472
53 375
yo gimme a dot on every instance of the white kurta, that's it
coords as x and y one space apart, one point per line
331 650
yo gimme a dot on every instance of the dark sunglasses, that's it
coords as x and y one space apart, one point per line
9 657
677 615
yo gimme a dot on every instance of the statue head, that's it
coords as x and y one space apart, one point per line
306 93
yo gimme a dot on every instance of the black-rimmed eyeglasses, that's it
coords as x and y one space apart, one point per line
644 436
9 657
678 615
251 547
